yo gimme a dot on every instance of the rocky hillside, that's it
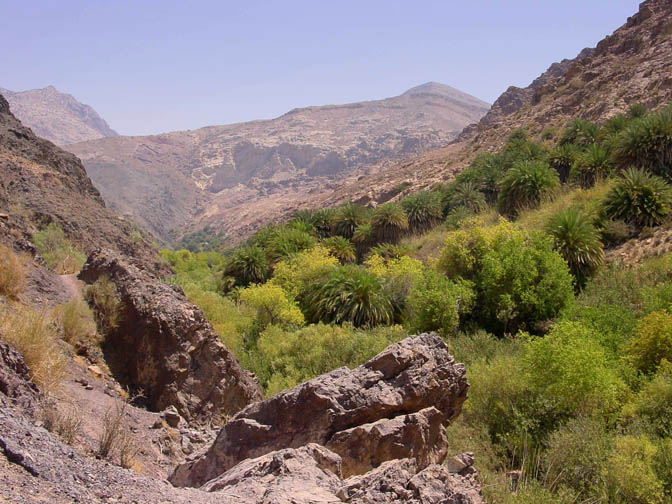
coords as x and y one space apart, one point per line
235 177
633 65
57 116
40 183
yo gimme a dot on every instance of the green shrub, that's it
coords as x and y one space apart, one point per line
616 231
287 242
297 274
484 173
436 304
58 252
350 294
526 185
578 241
652 342
389 222
576 456
287 358
647 143
569 367
423 210
247 265
272 306
12 274
653 403
104 298
630 473
640 199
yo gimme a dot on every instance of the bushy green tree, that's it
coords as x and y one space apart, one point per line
525 185
287 242
591 165
272 305
639 198
579 132
652 343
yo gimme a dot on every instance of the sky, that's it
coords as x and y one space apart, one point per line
155 66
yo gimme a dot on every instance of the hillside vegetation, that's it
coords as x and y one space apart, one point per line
567 354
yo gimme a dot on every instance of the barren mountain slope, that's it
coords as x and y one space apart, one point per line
39 182
230 175
633 65
57 116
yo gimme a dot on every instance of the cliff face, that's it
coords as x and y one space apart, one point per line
633 65
40 182
57 116
233 176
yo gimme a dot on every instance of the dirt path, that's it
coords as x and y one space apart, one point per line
72 286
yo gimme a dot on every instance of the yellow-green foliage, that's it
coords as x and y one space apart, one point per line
272 306
630 473
570 367
200 268
298 272
75 321
653 403
58 252
652 343
33 335
12 275
292 357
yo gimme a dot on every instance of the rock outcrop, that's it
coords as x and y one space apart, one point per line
165 347
15 385
407 392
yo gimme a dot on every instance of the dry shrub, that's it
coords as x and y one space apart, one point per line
12 275
33 335
116 438
74 320
66 422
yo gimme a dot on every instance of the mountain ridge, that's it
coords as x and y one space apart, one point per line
57 116
220 175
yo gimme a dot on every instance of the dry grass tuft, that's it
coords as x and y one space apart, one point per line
66 422
75 322
116 437
12 274
33 335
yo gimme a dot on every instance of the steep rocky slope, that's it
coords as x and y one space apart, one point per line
234 176
57 116
633 65
39 183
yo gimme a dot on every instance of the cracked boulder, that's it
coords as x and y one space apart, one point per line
414 387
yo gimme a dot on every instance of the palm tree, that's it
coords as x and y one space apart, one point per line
467 195
364 238
591 165
247 265
346 218
580 132
562 158
525 185
647 143
639 198
350 294
389 221
341 248
288 241
577 239
423 210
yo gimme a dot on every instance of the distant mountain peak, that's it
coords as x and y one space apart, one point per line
57 116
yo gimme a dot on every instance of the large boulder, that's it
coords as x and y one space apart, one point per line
165 347
406 378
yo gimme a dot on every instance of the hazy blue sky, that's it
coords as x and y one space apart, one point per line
153 66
